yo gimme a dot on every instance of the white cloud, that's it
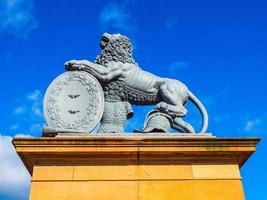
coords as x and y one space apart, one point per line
28 116
35 127
14 127
15 180
252 125
17 18
34 96
116 16
19 110
36 110
23 135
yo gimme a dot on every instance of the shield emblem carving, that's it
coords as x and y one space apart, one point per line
74 101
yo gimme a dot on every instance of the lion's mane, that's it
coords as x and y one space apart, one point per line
119 49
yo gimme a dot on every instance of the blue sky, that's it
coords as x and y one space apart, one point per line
218 48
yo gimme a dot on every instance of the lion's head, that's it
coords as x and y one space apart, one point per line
115 47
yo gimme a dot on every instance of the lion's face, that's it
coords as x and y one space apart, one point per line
115 47
107 39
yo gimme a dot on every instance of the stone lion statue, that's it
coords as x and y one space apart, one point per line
124 84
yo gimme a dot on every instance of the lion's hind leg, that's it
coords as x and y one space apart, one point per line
181 126
174 95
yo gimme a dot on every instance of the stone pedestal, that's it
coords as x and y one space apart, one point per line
116 168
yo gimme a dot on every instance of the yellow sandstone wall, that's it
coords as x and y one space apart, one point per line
124 168
183 182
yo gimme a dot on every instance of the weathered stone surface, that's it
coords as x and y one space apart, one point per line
130 135
74 101
123 80
161 168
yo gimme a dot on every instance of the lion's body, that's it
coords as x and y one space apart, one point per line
135 85
124 81
139 87
141 80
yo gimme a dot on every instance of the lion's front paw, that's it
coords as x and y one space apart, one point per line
73 65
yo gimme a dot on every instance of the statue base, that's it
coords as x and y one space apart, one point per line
132 168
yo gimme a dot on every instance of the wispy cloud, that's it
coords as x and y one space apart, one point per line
252 125
17 17
14 127
170 23
221 118
34 96
35 127
208 101
15 180
28 116
36 99
23 135
177 66
19 110
116 16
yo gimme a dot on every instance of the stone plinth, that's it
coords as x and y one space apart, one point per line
99 168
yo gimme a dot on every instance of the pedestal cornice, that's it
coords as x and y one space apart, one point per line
132 151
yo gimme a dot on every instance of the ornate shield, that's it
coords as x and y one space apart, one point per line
74 100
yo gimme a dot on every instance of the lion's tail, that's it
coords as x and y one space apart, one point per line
203 111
